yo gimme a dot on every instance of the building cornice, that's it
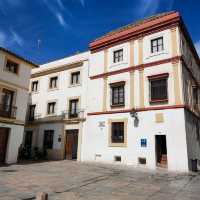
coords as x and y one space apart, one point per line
137 67
56 69
148 27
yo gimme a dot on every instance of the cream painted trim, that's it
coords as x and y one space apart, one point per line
132 99
177 88
105 80
80 135
105 60
57 69
105 83
174 42
141 83
132 53
140 51
3 82
110 121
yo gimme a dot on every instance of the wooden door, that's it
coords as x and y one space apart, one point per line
71 144
3 143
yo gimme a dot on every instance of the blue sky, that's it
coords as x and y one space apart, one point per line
44 30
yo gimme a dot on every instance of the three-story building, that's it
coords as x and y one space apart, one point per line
14 83
143 96
57 108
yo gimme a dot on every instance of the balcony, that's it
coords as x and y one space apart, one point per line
8 111
66 116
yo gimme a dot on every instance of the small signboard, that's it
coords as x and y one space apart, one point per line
143 142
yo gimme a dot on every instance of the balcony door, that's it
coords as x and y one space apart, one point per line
73 108
6 103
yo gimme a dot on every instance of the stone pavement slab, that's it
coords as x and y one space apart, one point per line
64 180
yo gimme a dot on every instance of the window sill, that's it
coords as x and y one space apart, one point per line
13 73
34 92
75 85
117 64
52 89
117 145
117 106
159 101
151 55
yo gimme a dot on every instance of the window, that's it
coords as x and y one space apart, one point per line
12 66
34 87
117 131
118 56
6 104
158 88
73 108
31 112
195 96
48 139
157 45
117 90
75 78
51 108
53 82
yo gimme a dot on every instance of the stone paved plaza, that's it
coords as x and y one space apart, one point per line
70 180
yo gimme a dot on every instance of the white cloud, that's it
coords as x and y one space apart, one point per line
149 7
60 19
82 2
15 37
60 4
2 38
197 45
55 11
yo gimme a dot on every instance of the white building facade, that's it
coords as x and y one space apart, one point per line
132 99
143 96
14 83
57 108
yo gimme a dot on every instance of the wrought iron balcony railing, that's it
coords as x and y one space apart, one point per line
65 115
8 111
